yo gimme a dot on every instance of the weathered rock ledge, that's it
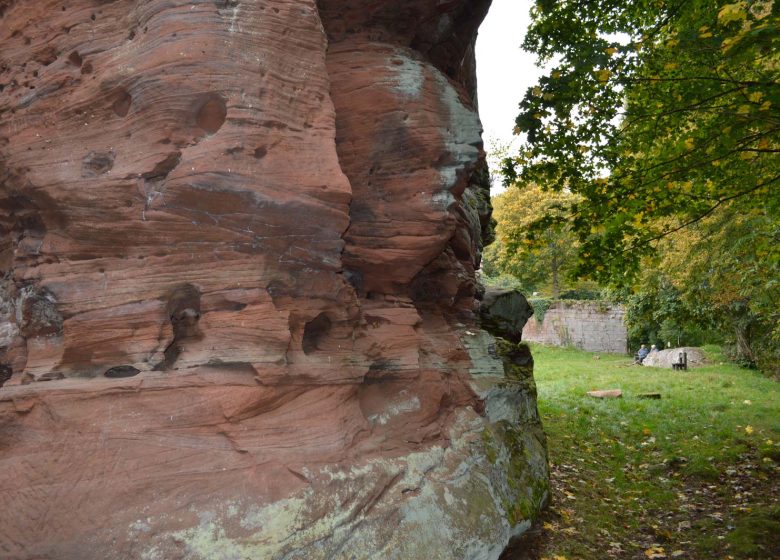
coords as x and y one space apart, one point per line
237 296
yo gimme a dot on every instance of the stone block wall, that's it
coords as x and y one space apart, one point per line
588 325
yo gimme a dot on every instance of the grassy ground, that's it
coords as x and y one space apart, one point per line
692 475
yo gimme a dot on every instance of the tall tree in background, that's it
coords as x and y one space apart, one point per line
660 114
540 258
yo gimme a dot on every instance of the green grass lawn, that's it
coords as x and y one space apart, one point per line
692 475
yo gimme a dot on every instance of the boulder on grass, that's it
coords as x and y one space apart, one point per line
665 358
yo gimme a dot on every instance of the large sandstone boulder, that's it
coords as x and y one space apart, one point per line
665 358
504 313
237 254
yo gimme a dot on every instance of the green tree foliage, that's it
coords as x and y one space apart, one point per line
656 112
663 117
726 270
540 258
713 282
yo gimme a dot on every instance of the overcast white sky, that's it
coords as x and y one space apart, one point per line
504 71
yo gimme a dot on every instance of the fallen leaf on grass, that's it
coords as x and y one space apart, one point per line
677 553
655 552
748 430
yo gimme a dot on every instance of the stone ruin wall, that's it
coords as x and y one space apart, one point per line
237 297
591 326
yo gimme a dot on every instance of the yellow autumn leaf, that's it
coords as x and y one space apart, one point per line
538 116
765 106
646 431
548 96
690 143
602 75
655 552
743 109
537 91
756 96
749 430
556 75
671 66
610 51
732 12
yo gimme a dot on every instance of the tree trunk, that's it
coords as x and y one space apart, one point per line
744 349
555 287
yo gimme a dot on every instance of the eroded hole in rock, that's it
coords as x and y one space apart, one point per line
261 152
121 103
375 321
122 371
163 168
183 311
5 373
75 59
211 114
95 164
381 371
40 316
315 331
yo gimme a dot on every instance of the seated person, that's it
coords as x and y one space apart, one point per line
641 354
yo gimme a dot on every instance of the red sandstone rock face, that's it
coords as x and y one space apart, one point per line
237 256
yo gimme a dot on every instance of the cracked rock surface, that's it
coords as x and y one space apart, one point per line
237 253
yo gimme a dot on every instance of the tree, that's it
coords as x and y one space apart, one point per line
537 259
657 113
725 271
663 116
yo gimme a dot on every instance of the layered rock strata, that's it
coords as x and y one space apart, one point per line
236 306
